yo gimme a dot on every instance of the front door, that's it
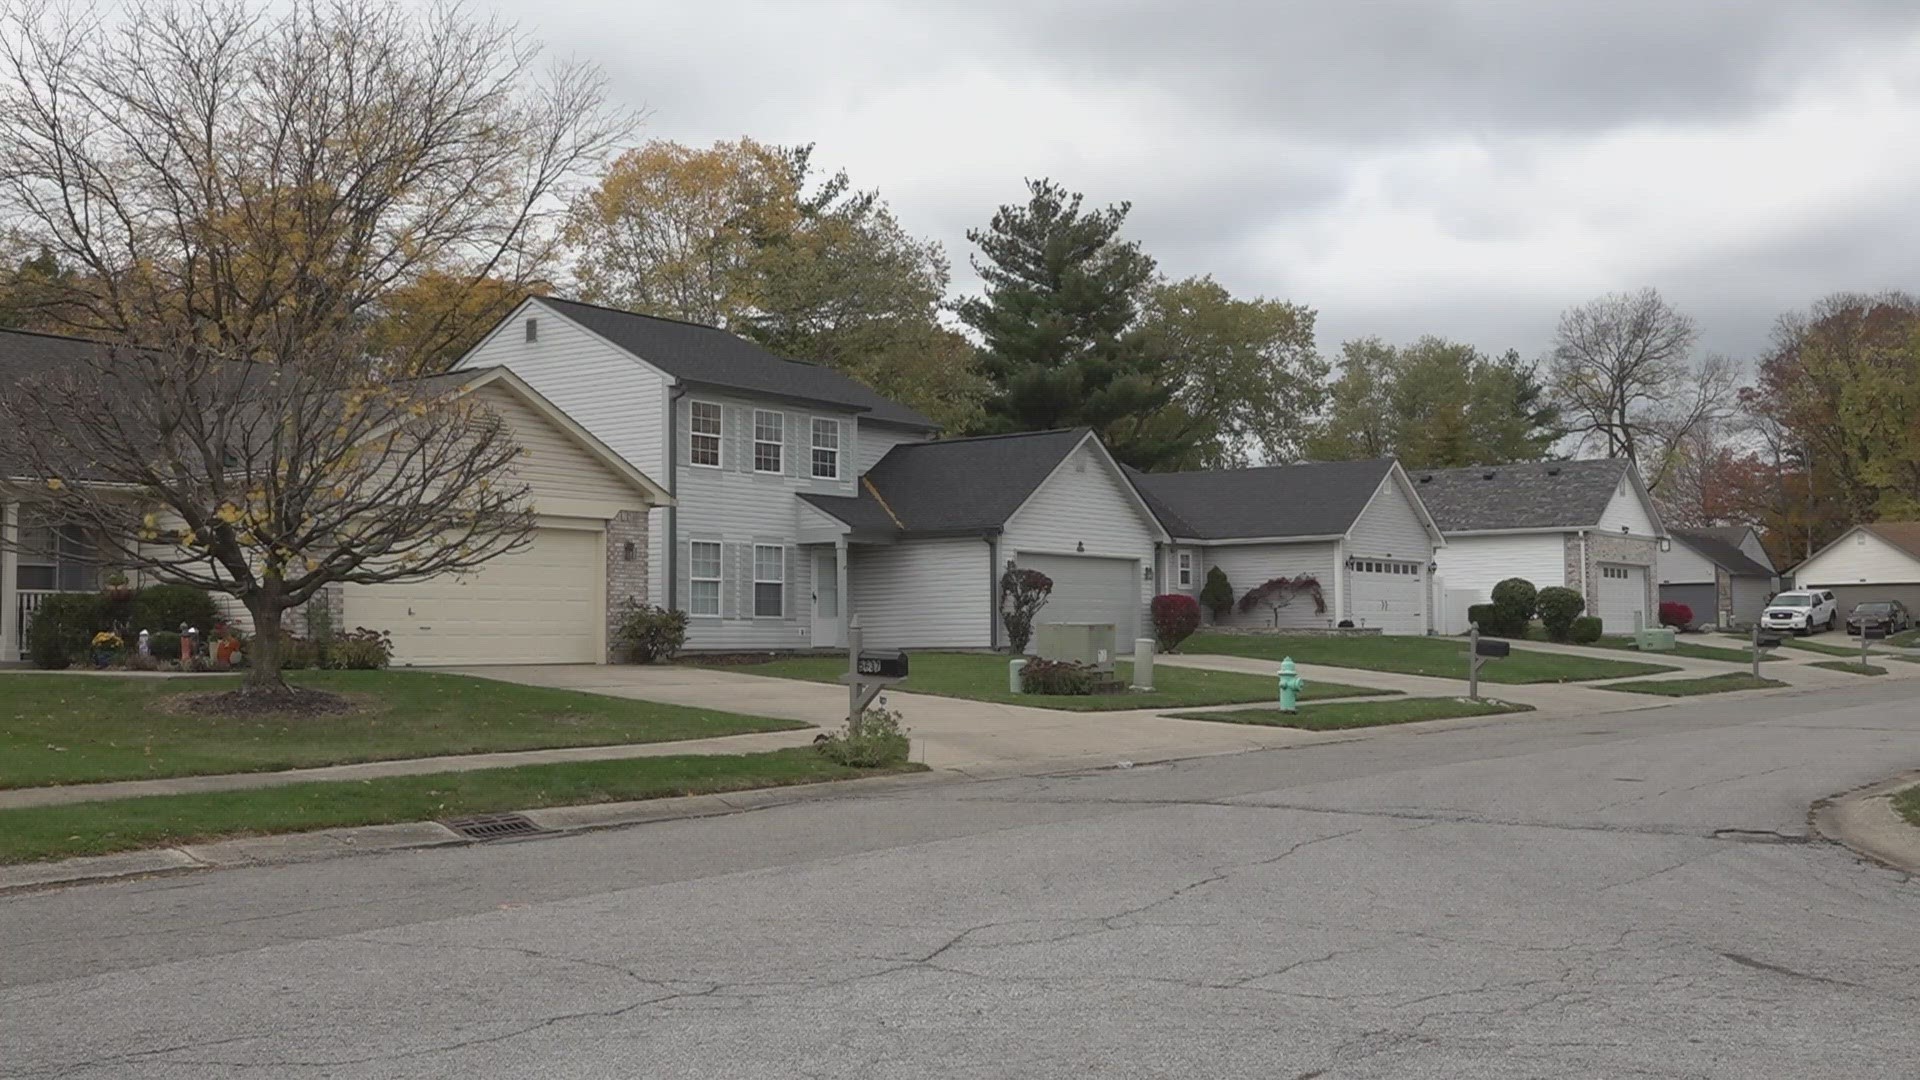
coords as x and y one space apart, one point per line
826 600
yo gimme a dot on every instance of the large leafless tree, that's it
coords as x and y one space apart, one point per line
267 482
1628 384
263 173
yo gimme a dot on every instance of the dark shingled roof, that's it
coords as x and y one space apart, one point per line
1309 499
951 487
26 355
704 354
1535 495
1721 546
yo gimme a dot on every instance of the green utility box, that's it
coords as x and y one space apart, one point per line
1654 639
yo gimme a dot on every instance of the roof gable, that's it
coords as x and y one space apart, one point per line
714 357
952 486
1533 495
1303 500
1721 546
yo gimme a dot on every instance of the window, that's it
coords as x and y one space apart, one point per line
55 558
533 329
1186 569
703 426
703 567
769 581
826 449
769 438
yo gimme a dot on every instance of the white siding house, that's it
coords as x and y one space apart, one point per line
1869 562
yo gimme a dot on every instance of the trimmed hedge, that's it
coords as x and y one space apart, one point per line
1059 677
1585 630
1558 607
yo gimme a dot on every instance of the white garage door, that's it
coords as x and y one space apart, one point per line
1388 595
543 604
1087 589
1623 598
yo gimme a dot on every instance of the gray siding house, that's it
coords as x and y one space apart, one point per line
1723 574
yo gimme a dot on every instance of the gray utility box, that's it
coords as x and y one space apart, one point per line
1084 643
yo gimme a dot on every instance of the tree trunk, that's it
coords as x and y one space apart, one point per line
268 653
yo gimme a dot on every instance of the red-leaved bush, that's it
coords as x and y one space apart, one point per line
1175 617
1281 591
1675 614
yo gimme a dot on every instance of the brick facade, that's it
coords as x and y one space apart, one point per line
1606 548
626 568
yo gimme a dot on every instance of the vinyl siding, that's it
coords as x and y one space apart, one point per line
1086 508
740 508
553 464
1626 509
1478 563
1860 558
1249 565
875 439
923 594
1750 596
1684 566
1751 546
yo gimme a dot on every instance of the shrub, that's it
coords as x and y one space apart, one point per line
649 632
319 619
1277 593
62 628
1175 617
1675 614
298 653
1482 616
1558 607
1059 678
1217 594
1585 630
164 645
361 650
1022 594
882 741
169 607
1514 601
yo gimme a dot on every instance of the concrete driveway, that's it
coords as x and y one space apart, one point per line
1632 895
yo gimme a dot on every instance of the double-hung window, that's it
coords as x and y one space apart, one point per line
769 439
826 448
1186 569
769 581
703 426
703 570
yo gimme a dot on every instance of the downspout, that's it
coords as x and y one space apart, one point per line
1585 573
992 537
673 489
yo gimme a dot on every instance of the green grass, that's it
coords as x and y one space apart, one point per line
1681 647
1444 658
1907 804
1358 714
97 828
1711 684
1805 645
1852 668
69 729
1905 639
983 677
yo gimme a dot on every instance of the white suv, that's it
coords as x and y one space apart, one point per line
1801 611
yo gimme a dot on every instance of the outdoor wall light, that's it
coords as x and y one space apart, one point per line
626 551
1081 547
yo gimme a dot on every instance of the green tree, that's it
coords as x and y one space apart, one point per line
1435 404
1061 340
1246 375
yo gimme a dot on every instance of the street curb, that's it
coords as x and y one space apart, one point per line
1864 821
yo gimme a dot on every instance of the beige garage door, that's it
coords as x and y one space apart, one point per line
544 604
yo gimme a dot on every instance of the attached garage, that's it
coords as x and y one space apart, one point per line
1089 589
1389 595
543 604
1623 598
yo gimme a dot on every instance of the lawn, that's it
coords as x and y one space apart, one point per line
983 677
1712 684
1905 639
96 828
1358 714
1681 647
1821 647
1907 804
1852 668
69 729
1441 657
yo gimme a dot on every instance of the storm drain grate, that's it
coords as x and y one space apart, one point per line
493 826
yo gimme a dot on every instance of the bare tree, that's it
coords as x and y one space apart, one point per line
263 174
1628 385
266 482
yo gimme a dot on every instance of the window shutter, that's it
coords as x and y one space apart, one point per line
799 445
792 606
744 579
730 581
739 429
683 577
682 433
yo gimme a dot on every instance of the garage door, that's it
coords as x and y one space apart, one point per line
543 604
1623 598
1388 594
1087 589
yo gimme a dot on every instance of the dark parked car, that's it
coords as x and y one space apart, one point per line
1891 614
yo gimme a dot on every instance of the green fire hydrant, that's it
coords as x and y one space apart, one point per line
1290 686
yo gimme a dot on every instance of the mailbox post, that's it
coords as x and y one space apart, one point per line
1479 651
1869 633
868 673
1762 644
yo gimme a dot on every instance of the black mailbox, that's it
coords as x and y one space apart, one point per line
1491 647
882 665
1875 631
1768 641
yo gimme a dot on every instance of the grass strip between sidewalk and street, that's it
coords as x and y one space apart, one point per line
1907 805
98 828
1854 667
983 677
1691 650
1358 714
77 728
1820 647
1711 684
1437 657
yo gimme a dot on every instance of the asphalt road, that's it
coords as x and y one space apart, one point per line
1629 895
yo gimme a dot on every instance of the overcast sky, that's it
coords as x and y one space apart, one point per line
1458 167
